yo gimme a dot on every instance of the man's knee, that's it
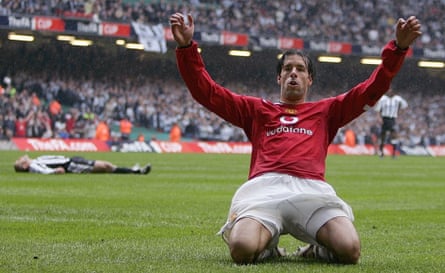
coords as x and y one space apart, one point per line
340 237
349 252
101 166
248 239
242 251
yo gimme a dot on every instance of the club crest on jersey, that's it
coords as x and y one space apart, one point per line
287 127
288 120
290 111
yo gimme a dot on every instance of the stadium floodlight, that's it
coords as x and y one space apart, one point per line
372 61
240 53
134 46
431 64
81 42
20 37
120 42
329 59
65 38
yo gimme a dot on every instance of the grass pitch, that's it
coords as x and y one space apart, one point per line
167 221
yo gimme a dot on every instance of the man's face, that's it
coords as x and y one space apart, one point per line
294 80
23 162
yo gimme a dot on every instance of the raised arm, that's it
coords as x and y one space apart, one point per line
407 31
182 29
37 167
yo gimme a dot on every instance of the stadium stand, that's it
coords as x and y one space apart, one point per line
94 86
340 20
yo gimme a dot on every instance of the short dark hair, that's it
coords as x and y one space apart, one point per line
19 168
307 60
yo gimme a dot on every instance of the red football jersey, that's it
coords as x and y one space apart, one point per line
291 139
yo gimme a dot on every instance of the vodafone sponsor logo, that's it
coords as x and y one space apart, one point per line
285 128
289 129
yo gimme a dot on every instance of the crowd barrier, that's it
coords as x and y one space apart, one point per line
156 146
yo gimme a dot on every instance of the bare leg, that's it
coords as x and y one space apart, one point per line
101 166
247 240
394 143
339 236
382 141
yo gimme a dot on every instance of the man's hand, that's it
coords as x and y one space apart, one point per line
182 31
407 31
59 170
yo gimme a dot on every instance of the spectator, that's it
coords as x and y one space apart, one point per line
38 124
10 90
350 139
342 20
141 138
9 124
35 100
20 127
55 110
237 16
125 127
191 130
102 131
175 133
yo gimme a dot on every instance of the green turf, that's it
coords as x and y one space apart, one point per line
167 221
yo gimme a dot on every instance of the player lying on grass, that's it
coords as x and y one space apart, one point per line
58 164
286 191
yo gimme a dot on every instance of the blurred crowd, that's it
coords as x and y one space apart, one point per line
31 107
159 104
368 22
39 103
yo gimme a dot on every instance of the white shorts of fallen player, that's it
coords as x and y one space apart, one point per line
286 205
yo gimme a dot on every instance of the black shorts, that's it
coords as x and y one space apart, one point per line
80 165
389 124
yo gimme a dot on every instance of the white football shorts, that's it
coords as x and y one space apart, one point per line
285 204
